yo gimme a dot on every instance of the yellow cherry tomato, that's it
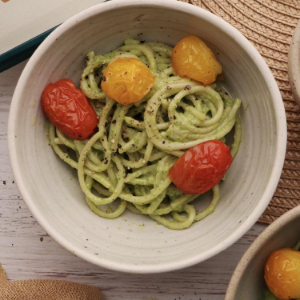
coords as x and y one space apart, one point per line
127 80
193 59
282 273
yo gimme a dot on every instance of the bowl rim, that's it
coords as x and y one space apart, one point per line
255 248
293 66
280 130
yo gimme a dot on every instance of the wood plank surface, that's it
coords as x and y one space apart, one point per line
27 252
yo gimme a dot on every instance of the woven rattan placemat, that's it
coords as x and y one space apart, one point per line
269 25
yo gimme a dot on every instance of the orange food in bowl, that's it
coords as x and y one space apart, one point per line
282 273
193 59
127 80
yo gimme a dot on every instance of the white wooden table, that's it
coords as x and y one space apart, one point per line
27 252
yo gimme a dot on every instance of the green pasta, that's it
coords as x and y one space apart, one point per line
126 163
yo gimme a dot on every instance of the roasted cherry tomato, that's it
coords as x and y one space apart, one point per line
282 273
68 109
127 80
201 167
193 59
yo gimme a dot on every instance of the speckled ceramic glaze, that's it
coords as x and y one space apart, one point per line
294 64
247 281
135 243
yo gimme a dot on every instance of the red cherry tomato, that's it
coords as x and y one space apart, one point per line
201 167
68 109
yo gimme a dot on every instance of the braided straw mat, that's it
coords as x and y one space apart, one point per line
269 25
45 289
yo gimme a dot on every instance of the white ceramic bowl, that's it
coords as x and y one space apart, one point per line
294 64
50 187
247 281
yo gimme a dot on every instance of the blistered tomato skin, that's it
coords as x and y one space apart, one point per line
68 109
282 273
127 80
192 58
201 167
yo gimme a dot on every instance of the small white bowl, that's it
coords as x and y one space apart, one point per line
247 281
50 188
294 64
